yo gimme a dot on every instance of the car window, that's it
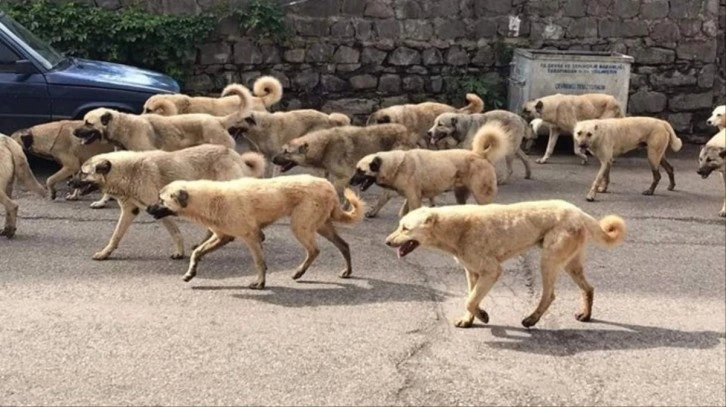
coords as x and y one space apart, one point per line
7 59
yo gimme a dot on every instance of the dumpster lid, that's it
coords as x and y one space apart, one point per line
575 55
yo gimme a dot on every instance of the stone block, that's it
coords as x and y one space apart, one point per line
388 29
445 8
582 28
691 101
342 29
319 52
690 27
247 52
450 29
404 56
353 7
312 27
347 67
372 56
317 8
346 55
652 55
394 101
389 84
457 56
363 30
707 76
351 106
378 9
432 56
574 8
611 28
420 30
294 55
654 9
645 101
681 122
704 51
270 54
484 56
363 81
485 28
668 80
199 84
599 8
492 7
413 84
412 9
626 8
435 84
306 80
215 53
685 8
665 32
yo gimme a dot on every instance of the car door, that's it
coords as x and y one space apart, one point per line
24 97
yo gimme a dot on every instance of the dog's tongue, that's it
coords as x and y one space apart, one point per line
401 252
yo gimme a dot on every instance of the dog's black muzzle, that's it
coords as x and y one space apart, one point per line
159 211
85 187
87 135
236 132
704 172
361 179
283 162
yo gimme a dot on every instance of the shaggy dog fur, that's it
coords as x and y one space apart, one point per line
713 158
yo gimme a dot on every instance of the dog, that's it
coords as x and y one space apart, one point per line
421 173
337 150
243 208
482 237
713 158
268 132
419 117
55 141
461 129
267 92
135 178
560 113
14 164
718 117
608 138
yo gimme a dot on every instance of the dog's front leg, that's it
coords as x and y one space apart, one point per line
101 203
254 245
176 237
208 246
383 199
604 169
723 209
413 201
551 142
523 157
128 214
480 282
579 153
59 176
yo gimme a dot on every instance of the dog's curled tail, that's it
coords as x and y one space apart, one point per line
269 89
490 142
675 142
339 119
355 215
22 168
609 231
161 106
476 104
254 163
241 91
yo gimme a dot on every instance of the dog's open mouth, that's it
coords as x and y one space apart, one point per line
704 173
583 148
87 136
366 183
84 187
159 211
285 164
236 132
407 247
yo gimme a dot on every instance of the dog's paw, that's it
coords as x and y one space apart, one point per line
189 276
177 256
530 321
648 192
298 274
582 317
71 197
371 214
722 213
590 198
671 187
541 161
482 316
345 273
98 205
101 256
463 322
257 286
51 195
602 189
8 232
583 161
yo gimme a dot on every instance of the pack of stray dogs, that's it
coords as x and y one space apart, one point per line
179 158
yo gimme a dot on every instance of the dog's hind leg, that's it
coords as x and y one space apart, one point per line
723 209
480 282
575 269
11 211
206 247
304 232
461 194
508 160
176 237
252 241
383 199
523 157
669 170
654 159
328 232
129 212
59 176
551 142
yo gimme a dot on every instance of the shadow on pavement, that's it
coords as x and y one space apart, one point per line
567 342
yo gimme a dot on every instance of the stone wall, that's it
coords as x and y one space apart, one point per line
355 55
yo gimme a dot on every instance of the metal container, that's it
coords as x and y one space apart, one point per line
539 73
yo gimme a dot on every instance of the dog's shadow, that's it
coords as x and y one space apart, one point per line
317 294
568 342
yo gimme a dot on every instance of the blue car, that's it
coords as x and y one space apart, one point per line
38 84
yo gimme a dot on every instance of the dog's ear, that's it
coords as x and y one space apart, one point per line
431 219
106 118
722 153
182 198
538 107
375 164
251 120
303 149
27 140
104 167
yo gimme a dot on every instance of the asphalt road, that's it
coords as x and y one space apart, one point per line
129 331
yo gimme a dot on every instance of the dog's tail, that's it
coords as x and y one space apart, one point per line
161 106
269 89
490 142
476 104
254 164
609 231
339 119
22 168
675 142
241 91
355 215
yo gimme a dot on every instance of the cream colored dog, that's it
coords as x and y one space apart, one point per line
243 208
420 173
713 158
482 237
561 112
419 117
609 138
14 164
55 140
267 91
718 117
135 178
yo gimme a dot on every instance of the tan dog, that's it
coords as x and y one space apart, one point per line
14 164
461 128
418 118
268 132
135 178
338 150
267 91
420 173
561 112
609 138
718 117
482 237
713 158
55 140
243 208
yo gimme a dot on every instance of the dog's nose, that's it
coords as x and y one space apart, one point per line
388 243
430 133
